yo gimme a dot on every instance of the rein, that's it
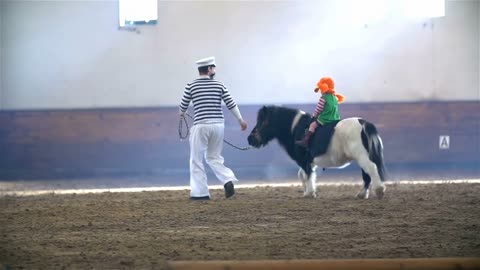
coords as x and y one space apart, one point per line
180 128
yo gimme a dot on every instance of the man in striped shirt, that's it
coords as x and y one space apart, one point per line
206 135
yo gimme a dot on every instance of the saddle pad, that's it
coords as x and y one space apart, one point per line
321 139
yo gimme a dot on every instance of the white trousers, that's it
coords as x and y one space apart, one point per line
206 141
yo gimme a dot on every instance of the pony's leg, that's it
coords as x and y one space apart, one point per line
303 178
363 193
371 169
311 185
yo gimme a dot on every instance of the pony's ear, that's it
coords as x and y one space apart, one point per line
262 113
263 110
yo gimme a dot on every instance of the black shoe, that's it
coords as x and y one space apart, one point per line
203 198
229 189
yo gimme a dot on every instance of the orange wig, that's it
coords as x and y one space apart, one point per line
326 85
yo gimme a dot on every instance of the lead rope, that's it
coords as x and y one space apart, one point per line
180 127
182 137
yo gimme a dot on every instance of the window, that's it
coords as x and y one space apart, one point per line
376 11
425 8
137 12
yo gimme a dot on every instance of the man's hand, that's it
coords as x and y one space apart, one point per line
243 124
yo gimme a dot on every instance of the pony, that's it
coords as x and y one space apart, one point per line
353 139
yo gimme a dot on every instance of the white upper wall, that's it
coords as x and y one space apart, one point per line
70 54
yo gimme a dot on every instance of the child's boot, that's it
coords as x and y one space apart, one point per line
305 140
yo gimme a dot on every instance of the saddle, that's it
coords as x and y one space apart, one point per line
320 140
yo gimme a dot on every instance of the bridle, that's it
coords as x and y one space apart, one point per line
182 137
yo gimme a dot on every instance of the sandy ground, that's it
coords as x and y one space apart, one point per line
144 230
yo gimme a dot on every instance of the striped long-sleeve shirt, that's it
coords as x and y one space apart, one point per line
319 108
206 95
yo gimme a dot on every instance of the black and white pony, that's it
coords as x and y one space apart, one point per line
354 139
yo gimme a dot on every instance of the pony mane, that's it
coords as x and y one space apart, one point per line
283 124
285 116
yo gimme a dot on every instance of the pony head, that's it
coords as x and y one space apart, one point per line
264 130
326 85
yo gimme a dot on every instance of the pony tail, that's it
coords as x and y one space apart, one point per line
340 98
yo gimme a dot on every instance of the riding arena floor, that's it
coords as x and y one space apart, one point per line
144 230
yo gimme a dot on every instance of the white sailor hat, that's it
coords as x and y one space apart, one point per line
209 61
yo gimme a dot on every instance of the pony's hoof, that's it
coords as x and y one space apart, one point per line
309 195
380 192
363 194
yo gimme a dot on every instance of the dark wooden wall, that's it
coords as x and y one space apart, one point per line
144 141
